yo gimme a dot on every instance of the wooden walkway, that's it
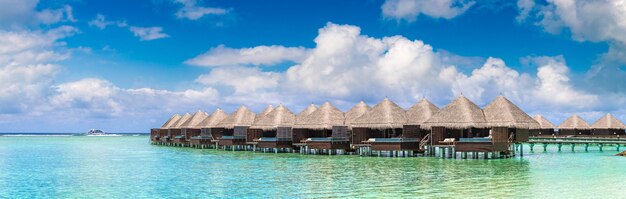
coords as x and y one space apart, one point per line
577 141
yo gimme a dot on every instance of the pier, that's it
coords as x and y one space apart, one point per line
572 142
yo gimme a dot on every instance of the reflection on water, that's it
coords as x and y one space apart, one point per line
120 167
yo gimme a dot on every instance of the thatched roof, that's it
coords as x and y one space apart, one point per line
420 112
241 117
324 117
503 113
574 122
608 122
212 120
263 113
459 114
543 122
279 117
307 111
171 121
384 115
195 119
357 111
180 122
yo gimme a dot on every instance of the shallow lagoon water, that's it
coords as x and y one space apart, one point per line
125 167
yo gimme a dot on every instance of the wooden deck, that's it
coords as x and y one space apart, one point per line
577 141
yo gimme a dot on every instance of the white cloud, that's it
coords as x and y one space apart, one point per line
242 79
148 33
101 22
554 85
490 80
595 21
27 68
344 67
260 55
100 98
247 85
17 13
52 16
525 7
143 33
348 66
410 9
190 10
587 20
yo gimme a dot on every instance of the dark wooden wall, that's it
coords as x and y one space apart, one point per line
411 131
163 132
542 132
574 132
284 132
438 134
340 132
174 132
500 134
522 135
189 133
608 132
269 134
254 134
217 133
299 135
359 135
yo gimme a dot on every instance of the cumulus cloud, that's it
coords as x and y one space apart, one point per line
30 93
343 67
245 85
346 66
260 55
100 98
410 9
20 12
190 10
594 20
554 85
148 33
27 68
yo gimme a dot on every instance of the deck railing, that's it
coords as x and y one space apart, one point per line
424 141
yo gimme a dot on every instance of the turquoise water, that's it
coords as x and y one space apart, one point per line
129 167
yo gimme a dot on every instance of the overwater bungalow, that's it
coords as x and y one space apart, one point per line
326 131
381 129
176 130
241 136
158 133
209 130
508 123
355 112
274 130
190 128
546 128
461 118
608 126
574 126
236 126
416 115
301 134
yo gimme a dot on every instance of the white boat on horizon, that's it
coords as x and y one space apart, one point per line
100 133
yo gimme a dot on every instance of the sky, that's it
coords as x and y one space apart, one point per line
127 66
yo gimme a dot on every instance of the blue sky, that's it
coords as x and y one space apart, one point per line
126 66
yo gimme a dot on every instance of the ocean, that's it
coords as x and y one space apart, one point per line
130 167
